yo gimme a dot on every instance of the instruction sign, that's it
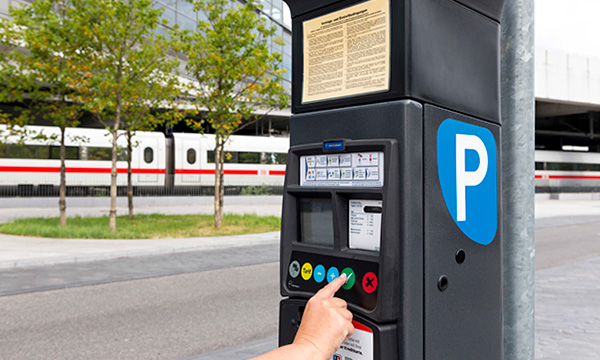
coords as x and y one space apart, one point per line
357 347
347 52
365 224
364 169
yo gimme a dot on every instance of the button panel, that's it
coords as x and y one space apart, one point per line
360 289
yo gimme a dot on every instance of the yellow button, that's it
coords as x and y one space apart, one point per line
306 271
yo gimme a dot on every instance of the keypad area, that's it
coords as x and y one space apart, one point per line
309 272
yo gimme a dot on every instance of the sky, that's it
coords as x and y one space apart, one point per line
571 26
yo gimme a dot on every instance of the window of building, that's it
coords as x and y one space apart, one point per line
148 155
186 23
168 13
287 16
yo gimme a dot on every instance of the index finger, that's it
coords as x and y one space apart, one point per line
331 288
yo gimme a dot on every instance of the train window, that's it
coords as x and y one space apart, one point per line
44 152
71 152
274 158
89 153
556 166
249 157
191 156
21 151
148 155
540 165
231 157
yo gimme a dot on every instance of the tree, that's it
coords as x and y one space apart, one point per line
122 56
235 73
39 73
142 113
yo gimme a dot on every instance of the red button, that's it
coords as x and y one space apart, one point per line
369 282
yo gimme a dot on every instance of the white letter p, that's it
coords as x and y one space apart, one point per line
466 178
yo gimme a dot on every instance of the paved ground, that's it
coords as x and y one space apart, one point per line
567 286
567 305
169 317
60 276
24 251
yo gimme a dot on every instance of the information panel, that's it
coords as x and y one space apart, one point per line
350 169
347 52
365 224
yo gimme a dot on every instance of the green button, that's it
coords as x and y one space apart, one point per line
351 278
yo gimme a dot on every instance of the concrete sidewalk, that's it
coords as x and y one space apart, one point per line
24 251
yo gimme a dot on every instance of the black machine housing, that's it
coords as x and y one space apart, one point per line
444 64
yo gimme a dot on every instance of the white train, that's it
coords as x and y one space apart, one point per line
182 162
567 171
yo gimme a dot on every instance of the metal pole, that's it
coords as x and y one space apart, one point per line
518 104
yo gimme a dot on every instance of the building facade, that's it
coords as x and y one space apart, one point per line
181 13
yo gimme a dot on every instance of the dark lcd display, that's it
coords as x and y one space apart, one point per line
316 221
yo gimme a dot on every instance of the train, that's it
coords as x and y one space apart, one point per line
567 171
179 163
183 163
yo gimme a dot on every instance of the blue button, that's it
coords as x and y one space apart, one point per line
319 273
332 274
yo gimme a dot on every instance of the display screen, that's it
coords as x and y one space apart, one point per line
316 221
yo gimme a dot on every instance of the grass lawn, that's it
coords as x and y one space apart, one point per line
142 227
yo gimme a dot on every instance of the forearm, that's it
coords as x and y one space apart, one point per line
295 351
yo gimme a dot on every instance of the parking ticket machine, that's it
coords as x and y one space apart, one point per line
393 175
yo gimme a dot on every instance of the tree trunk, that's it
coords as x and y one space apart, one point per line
129 176
62 202
218 180
112 215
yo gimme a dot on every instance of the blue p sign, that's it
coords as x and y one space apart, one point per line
466 158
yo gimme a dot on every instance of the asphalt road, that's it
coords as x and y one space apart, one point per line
168 317
181 305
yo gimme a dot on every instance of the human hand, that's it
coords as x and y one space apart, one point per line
326 322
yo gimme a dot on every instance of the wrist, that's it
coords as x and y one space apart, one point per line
309 350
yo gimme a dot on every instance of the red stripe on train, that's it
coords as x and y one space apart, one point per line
567 177
79 170
227 172
76 170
